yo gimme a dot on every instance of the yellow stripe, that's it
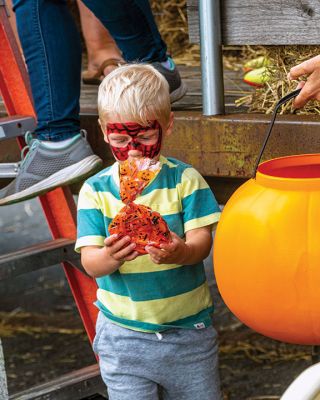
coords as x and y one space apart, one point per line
105 202
203 221
89 241
191 181
157 311
144 264
164 201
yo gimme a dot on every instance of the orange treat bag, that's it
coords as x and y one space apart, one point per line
144 226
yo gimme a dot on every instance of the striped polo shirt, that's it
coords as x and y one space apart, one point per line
142 295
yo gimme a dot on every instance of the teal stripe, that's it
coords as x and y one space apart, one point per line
154 285
100 183
168 178
92 222
175 223
199 204
186 323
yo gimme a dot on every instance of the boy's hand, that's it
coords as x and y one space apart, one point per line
310 88
175 252
120 250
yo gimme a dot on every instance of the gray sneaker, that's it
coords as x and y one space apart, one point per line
44 168
176 86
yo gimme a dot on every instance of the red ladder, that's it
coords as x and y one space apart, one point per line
58 205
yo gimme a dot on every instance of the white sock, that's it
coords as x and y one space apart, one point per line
57 145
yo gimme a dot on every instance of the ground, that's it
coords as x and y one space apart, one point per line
43 337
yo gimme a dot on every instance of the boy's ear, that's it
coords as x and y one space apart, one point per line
170 125
102 127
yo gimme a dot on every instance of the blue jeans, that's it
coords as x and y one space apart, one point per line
52 50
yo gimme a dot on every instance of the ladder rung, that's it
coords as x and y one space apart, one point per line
11 127
36 257
75 385
8 170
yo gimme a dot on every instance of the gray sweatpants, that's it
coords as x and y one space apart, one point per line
182 362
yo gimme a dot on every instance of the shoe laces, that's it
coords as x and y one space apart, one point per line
31 144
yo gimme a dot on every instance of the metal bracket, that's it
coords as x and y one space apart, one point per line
11 127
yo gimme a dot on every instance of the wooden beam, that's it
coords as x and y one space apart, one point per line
227 145
270 22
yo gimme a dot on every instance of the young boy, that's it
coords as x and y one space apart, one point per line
154 326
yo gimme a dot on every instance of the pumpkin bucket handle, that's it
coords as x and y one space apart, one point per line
278 105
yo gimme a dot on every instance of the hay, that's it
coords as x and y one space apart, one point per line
282 58
171 18
12 324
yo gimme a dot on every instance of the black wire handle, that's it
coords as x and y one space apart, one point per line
278 105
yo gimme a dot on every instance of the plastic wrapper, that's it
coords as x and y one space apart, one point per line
141 223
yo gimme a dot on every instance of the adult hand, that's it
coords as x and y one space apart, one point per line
310 88
174 252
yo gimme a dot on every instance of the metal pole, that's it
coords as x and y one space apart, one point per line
211 57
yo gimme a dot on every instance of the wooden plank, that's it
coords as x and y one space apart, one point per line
73 386
270 22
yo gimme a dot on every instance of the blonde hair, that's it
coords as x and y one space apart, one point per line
137 93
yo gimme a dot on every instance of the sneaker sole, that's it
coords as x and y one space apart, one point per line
64 177
178 93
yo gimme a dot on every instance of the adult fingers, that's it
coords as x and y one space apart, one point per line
300 100
306 67
310 90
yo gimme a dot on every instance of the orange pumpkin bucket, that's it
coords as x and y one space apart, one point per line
267 248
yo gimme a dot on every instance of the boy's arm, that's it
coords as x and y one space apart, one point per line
194 249
100 261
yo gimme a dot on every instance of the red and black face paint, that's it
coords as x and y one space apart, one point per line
133 129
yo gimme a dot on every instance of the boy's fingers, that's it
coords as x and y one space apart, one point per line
122 254
110 239
131 256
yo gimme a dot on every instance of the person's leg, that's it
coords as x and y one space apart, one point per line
193 373
52 50
100 46
60 155
122 362
132 25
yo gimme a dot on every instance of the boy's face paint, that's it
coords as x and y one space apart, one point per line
133 129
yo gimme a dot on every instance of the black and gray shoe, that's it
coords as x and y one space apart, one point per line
44 168
176 86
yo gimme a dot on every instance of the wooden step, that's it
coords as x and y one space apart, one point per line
73 386
38 256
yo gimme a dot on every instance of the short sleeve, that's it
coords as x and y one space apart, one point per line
91 229
199 206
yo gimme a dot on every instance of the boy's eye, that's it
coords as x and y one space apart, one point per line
148 138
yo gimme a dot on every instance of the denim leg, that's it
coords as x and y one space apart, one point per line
132 25
52 50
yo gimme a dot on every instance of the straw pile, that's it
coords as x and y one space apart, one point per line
171 18
282 58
